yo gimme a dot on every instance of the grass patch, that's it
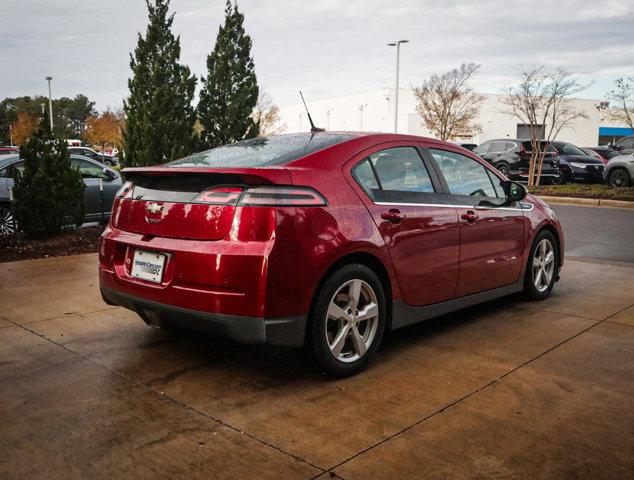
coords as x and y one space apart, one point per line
580 190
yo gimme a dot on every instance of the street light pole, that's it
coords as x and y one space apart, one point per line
50 102
398 54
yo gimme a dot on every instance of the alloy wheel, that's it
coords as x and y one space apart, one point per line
618 178
352 320
543 265
7 222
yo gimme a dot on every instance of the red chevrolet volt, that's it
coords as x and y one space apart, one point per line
323 241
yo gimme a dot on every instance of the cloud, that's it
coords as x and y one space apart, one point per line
324 47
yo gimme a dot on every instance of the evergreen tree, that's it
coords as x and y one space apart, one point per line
49 194
230 91
159 114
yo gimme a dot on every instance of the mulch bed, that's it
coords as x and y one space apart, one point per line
580 190
70 242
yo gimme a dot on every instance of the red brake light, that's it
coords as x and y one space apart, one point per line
126 190
221 195
282 197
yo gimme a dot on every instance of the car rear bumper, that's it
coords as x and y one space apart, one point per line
283 331
222 287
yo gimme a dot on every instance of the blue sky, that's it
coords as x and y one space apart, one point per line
324 47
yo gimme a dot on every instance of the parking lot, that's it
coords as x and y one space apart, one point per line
508 389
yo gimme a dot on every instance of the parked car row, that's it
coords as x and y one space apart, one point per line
102 184
563 161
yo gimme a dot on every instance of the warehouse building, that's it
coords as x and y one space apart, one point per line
374 112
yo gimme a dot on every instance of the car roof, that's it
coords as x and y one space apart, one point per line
9 159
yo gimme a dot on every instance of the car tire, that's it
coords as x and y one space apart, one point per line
619 177
542 270
8 224
338 341
504 169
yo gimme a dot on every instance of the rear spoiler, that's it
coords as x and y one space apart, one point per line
254 176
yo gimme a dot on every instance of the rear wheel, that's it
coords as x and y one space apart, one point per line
347 323
619 178
543 266
8 224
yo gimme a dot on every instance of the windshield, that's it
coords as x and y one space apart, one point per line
262 151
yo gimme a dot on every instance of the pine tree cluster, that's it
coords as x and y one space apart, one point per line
160 118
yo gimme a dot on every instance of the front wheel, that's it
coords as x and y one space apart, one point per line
347 322
543 266
619 178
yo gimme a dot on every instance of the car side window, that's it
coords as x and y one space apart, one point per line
498 147
401 169
484 148
88 169
464 175
627 142
395 175
16 169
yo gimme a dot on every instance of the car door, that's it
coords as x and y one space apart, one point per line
496 149
491 232
421 234
94 177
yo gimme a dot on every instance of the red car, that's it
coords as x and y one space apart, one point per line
323 240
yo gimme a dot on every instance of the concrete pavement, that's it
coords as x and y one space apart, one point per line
509 389
599 233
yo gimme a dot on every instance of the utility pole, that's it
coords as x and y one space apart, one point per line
50 102
398 53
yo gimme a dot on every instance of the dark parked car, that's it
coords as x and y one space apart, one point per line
625 146
95 175
90 153
578 166
605 154
512 157
323 240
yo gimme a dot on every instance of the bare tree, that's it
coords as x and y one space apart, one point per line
541 100
619 102
267 115
448 106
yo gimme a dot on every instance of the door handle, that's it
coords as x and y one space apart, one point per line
393 216
470 216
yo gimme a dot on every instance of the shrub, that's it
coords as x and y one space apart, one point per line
48 195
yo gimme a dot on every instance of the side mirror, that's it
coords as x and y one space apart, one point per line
515 192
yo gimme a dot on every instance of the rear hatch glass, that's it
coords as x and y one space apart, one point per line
263 151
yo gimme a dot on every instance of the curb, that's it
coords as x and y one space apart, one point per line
588 202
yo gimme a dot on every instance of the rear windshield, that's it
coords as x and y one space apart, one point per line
262 152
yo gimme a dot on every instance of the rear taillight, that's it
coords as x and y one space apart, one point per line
126 190
282 197
221 195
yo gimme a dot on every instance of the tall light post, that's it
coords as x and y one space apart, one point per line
50 102
361 109
328 119
396 44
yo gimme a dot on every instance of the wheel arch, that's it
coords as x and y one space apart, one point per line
373 263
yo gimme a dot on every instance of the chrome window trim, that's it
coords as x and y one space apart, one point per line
529 207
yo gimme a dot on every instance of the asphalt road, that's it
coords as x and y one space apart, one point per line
598 233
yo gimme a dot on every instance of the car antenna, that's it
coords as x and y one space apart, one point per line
313 128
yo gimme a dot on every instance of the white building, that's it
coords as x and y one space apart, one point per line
374 112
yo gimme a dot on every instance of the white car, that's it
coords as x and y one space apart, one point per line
619 172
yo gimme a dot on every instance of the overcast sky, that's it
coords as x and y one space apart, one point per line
324 47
